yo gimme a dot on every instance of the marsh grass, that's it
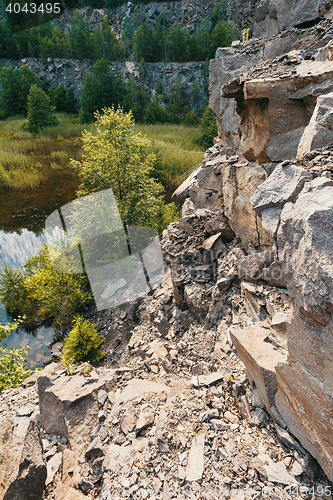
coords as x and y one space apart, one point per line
26 160
177 154
19 180
60 160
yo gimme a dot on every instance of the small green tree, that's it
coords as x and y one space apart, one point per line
222 36
40 111
83 343
100 89
39 292
118 158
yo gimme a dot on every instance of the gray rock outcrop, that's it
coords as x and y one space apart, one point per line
264 93
71 73
23 466
319 132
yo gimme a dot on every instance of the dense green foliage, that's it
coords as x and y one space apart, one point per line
177 44
100 89
118 158
15 88
40 112
41 293
82 343
208 129
13 368
61 99
162 43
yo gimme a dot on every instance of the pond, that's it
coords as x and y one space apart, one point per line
22 218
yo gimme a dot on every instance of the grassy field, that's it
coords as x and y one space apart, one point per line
176 152
25 161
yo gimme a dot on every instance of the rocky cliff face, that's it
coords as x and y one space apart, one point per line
220 380
274 93
170 411
189 14
71 73
273 105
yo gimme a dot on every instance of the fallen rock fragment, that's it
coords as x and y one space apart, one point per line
195 465
146 419
319 133
63 492
260 358
275 472
53 467
283 185
23 469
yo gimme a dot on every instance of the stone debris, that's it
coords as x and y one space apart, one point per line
171 411
124 431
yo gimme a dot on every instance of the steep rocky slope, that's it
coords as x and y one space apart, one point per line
219 383
171 411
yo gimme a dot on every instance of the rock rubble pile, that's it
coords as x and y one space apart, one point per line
170 412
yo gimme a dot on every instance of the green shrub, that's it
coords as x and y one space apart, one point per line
190 118
12 361
83 342
41 293
12 367
154 113
208 129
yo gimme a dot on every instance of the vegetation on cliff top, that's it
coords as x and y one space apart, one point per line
151 44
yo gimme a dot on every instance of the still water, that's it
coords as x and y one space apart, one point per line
22 217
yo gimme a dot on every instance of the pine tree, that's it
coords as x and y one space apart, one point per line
100 89
61 99
40 111
16 84
83 342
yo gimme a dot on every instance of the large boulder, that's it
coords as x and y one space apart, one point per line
22 465
283 185
273 16
261 266
69 405
239 182
298 13
284 146
319 133
260 358
202 187
304 240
